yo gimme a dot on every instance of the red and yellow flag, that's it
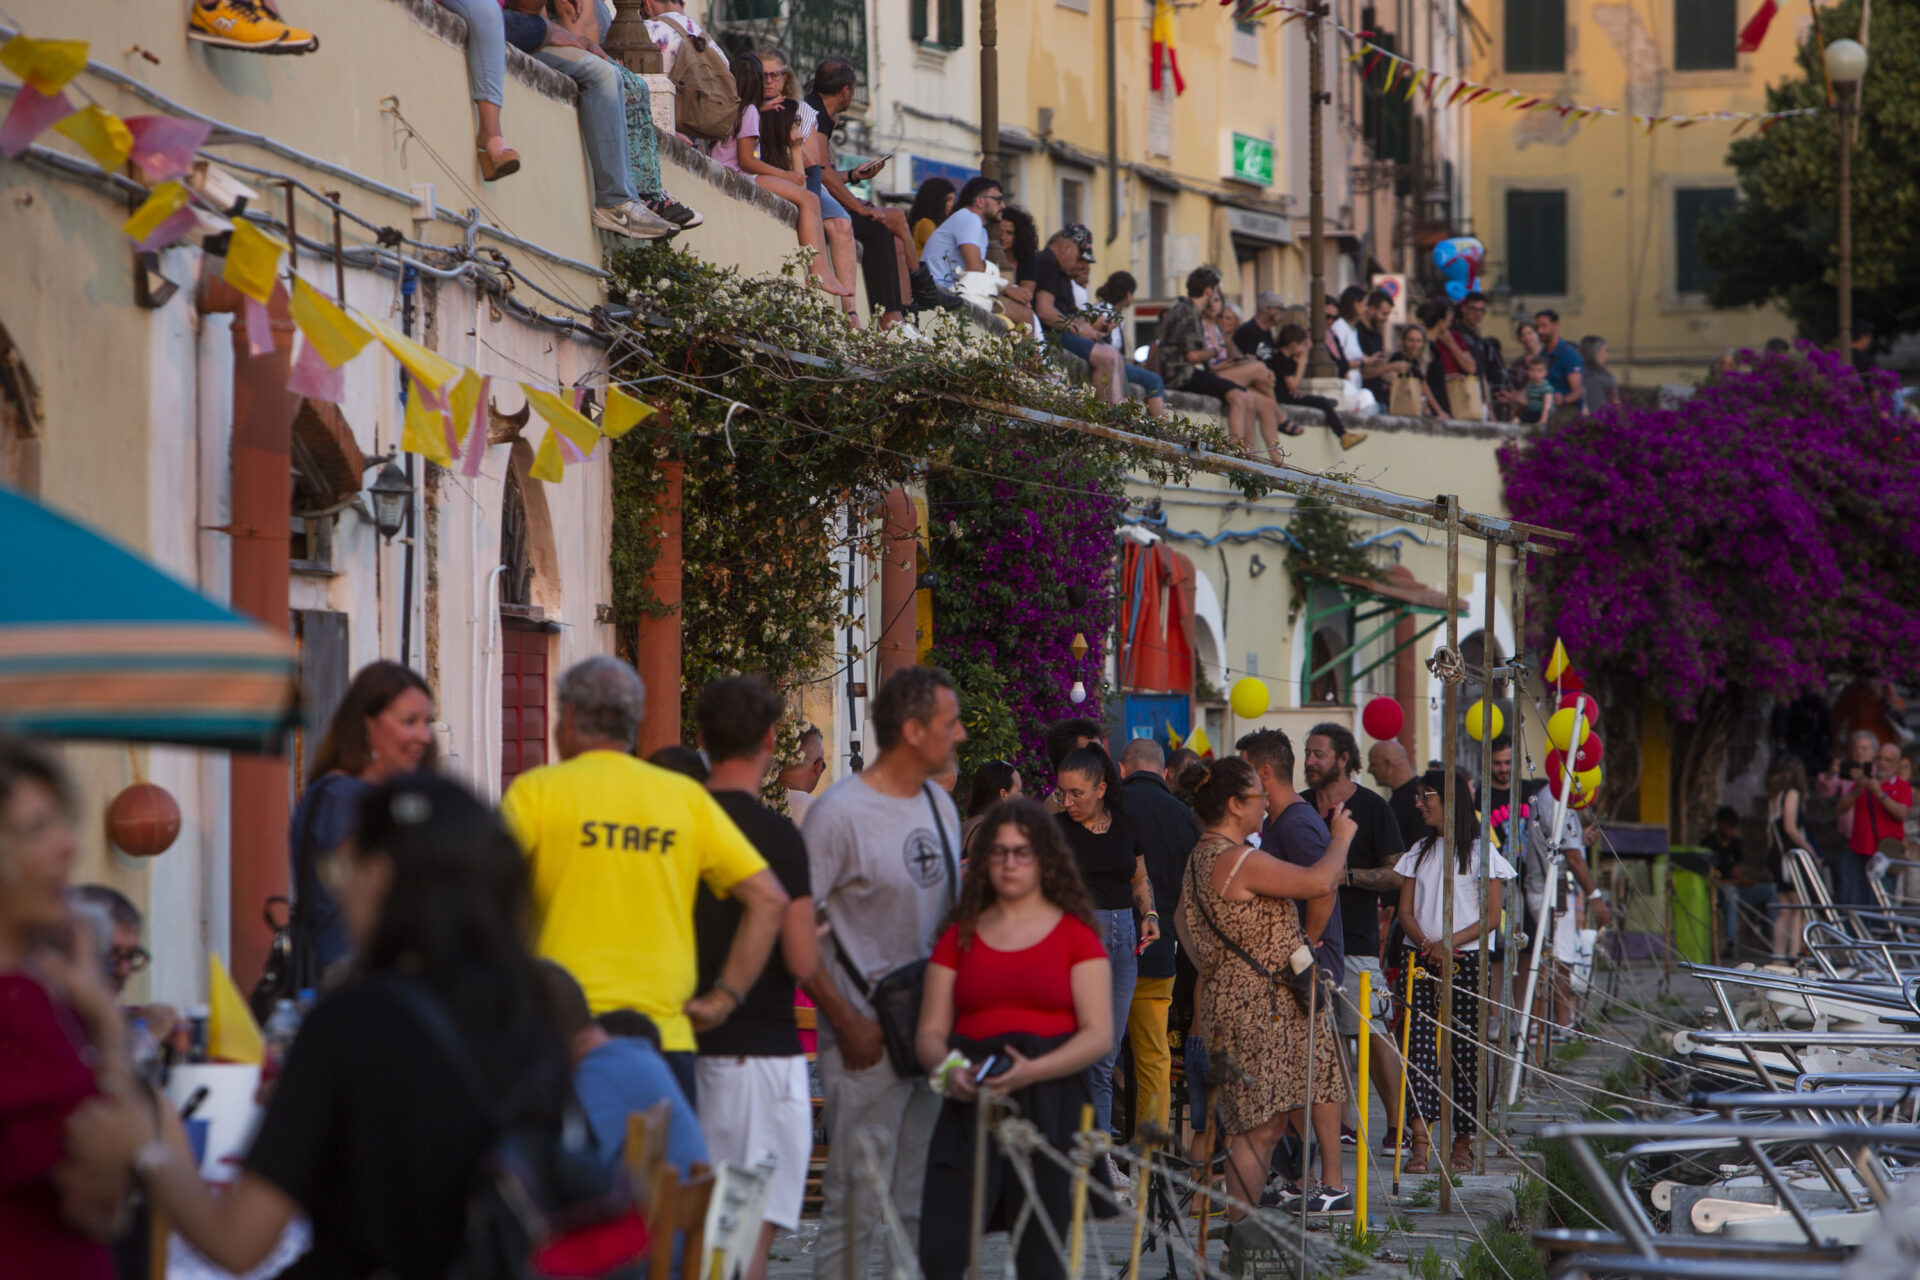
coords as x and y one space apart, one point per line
1164 52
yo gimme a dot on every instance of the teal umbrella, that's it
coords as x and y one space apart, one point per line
95 642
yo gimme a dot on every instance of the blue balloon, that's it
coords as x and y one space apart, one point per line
1458 261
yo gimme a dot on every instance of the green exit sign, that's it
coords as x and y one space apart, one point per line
1252 160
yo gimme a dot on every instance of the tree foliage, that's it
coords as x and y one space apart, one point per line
1780 243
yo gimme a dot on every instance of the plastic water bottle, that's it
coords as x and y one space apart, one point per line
281 1029
145 1050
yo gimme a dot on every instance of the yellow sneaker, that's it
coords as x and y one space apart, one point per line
243 24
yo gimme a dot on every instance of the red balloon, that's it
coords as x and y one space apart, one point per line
1571 699
1555 763
1588 756
1382 718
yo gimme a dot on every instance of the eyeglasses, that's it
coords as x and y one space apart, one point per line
132 959
1258 797
775 75
1422 796
1014 855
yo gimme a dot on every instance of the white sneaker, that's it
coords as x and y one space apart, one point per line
1121 1182
633 219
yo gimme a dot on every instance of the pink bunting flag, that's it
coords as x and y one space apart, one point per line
567 447
180 223
164 146
314 378
477 433
259 328
31 115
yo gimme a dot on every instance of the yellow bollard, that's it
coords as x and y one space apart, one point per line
1077 1242
1360 1089
1406 1042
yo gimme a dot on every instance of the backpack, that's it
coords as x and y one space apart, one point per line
706 103
542 1203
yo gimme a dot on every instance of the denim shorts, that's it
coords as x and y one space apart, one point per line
830 208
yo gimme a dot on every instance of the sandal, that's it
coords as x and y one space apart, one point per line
1462 1161
1292 428
1417 1157
493 168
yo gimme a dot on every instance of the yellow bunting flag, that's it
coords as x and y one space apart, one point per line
46 65
548 465
104 135
167 199
424 431
430 369
232 1034
253 261
1197 742
1557 664
622 414
462 401
335 335
563 417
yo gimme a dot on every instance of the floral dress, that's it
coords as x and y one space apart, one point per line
1256 1031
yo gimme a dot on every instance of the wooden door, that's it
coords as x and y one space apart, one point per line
523 699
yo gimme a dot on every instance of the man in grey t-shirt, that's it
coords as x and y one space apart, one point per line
883 849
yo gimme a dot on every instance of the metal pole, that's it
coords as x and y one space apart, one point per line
1319 363
1364 1040
1449 716
339 256
1113 126
1842 119
989 93
981 1105
1306 1127
1486 866
1548 916
1516 910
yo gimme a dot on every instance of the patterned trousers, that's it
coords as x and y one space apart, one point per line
1463 1029
643 149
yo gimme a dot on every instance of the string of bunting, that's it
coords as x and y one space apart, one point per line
446 403
1411 77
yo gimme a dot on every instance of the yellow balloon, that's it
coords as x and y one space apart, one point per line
1249 697
1560 730
1586 786
1477 728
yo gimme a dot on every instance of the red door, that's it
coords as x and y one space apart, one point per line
523 700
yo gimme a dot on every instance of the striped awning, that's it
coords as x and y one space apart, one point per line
95 642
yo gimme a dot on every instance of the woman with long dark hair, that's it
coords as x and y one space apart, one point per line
382 729
1422 916
994 781
745 153
1786 801
1019 985
1106 845
931 205
373 1130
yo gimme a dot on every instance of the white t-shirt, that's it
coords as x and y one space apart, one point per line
1429 884
667 31
942 251
1349 340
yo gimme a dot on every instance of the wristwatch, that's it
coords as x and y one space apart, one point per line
1596 895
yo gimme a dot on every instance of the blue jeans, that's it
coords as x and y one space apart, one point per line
1765 897
1151 384
603 120
486 47
1116 931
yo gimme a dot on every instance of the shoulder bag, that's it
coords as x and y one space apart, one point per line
895 998
1298 976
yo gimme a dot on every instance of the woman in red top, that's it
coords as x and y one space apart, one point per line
61 1039
1019 983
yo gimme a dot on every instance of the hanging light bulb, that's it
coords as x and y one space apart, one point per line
1077 694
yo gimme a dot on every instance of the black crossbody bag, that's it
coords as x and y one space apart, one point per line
895 998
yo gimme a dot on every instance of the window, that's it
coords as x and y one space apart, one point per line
1537 243
821 29
1073 200
1703 35
950 15
1157 212
1246 40
1536 32
1160 119
1691 207
1386 119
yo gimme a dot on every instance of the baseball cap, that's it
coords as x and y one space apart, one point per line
1081 237
1266 299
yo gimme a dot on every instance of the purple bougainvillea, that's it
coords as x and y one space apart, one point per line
1764 534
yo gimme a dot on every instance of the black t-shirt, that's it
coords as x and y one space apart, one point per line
1049 278
1373 343
1106 860
1255 341
1727 854
370 1133
1168 832
763 1025
1406 813
1376 844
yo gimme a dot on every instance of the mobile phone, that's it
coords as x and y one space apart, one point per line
1141 947
993 1066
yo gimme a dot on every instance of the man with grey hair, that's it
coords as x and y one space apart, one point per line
617 848
1873 812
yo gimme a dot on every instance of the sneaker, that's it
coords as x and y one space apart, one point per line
671 210
926 294
243 24
1391 1142
633 219
1348 1138
1281 1195
1352 438
1121 1182
1326 1200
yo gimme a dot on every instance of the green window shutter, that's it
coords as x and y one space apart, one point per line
1386 118
917 19
1691 207
1704 35
1537 243
953 23
1536 35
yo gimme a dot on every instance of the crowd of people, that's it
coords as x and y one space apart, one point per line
624 933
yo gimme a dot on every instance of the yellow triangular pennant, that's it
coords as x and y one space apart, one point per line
429 368
548 465
462 401
1197 741
46 65
232 1034
622 414
104 135
563 417
424 430
167 199
1557 664
335 335
253 260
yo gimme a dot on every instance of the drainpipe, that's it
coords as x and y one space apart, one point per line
262 507
1113 133
899 570
657 653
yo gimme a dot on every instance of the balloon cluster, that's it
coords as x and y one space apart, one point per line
1572 731
1458 261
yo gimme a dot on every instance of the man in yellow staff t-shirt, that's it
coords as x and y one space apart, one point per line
617 848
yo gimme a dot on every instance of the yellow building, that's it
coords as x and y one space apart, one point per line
1595 219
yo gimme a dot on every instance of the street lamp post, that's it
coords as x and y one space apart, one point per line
1319 363
1846 65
